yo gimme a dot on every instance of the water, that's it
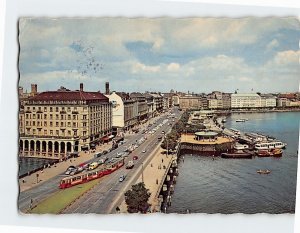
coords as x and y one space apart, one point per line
30 164
232 185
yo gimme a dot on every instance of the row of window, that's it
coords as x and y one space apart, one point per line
51 132
51 116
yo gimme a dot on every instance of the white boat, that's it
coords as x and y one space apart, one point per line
270 145
238 146
241 120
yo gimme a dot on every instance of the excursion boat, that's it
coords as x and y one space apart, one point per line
87 176
263 171
270 145
236 155
268 153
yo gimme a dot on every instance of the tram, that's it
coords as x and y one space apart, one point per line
87 176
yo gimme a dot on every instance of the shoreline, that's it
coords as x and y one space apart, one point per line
256 111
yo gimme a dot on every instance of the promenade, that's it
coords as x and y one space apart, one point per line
152 176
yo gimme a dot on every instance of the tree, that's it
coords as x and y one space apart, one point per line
137 198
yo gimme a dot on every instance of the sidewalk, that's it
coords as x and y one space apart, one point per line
153 175
54 170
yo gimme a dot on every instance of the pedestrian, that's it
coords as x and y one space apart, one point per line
31 202
162 160
23 181
156 181
117 209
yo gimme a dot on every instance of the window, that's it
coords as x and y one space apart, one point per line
51 124
33 109
69 109
56 116
57 124
51 109
84 124
74 117
45 116
61 124
61 117
33 116
84 117
69 132
26 116
45 123
56 109
69 124
40 109
45 109
69 117
38 116
74 125
57 132
51 132
33 123
84 133
33 131
51 117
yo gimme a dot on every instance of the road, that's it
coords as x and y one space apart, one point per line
106 195
108 188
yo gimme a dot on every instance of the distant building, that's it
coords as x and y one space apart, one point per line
56 123
142 107
268 100
190 102
244 100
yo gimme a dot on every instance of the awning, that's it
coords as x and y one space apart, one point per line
111 136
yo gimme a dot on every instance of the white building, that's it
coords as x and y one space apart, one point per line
245 100
268 101
117 110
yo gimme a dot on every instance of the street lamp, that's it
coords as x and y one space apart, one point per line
143 172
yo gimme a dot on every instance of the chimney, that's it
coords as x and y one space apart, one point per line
33 89
81 86
107 88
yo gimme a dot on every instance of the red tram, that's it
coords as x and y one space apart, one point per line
84 177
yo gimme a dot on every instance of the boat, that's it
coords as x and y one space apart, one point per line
237 155
270 145
263 171
224 120
240 120
238 146
263 153
277 152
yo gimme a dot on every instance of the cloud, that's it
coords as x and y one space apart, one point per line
173 67
273 44
139 67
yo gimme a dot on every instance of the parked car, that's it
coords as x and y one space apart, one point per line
97 155
104 152
135 157
144 151
102 161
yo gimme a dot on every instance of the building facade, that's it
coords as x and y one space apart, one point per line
245 100
57 123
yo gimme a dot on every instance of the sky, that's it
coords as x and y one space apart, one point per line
198 55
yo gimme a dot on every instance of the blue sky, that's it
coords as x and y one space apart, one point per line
191 54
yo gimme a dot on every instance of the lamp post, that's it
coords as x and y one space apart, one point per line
143 172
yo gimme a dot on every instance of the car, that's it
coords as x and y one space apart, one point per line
144 151
135 157
125 155
93 166
97 155
122 178
102 161
69 170
104 152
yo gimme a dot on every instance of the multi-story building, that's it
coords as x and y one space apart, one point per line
268 100
123 114
245 100
190 102
57 123
142 107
